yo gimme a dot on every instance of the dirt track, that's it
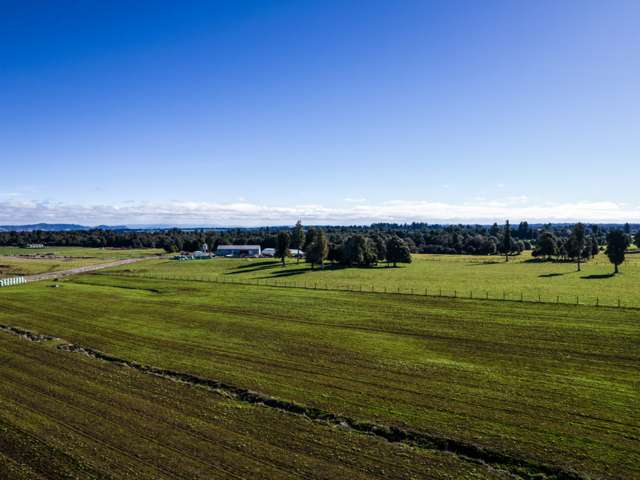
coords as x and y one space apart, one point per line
86 268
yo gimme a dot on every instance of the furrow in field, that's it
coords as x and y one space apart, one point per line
392 434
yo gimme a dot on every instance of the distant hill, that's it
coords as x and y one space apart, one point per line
57 227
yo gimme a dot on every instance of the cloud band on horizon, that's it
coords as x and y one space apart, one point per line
244 213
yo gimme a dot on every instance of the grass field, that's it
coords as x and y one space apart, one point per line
542 386
101 421
459 275
22 261
83 252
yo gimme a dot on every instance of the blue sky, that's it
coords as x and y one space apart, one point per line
249 113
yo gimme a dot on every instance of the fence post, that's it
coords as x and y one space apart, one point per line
440 292
558 299
618 302
521 296
504 295
577 300
455 294
597 301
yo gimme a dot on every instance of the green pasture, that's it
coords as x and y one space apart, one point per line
16 261
450 275
65 416
11 267
543 384
82 252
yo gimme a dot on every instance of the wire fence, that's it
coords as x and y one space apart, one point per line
506 296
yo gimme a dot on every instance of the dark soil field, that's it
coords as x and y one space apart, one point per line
400 386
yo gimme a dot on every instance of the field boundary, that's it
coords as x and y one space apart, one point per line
515 466
436 292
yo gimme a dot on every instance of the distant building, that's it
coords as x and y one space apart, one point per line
293 252
34 245
238 251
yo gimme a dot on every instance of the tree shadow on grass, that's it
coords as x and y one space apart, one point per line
550 275
488 262
255 268
598 277
253 265
291 273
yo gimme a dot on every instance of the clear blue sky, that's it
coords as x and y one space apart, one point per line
242 112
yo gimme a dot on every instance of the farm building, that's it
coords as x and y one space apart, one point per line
238 251
293 252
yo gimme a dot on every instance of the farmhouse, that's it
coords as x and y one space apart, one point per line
238 251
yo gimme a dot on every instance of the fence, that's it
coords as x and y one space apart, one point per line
426 291
7 282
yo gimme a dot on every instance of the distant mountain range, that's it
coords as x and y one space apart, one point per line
65 227
57 227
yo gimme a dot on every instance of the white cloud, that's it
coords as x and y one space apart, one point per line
17 211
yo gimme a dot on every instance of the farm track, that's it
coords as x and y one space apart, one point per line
84 269
470 452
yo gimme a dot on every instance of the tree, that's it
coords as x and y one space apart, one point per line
546 246
506 241
577 240
617 243
282 247
316 252
359 250
381 246
523 230
627 228
595 249
397 251
637 239
309 238
297 237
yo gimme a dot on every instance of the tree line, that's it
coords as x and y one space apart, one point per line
359 245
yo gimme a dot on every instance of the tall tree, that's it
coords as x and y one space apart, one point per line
546 246
297 238
318 250
359 250
617 243
637 239
506 241
397 251
282 247
578 239
523 230
595 248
